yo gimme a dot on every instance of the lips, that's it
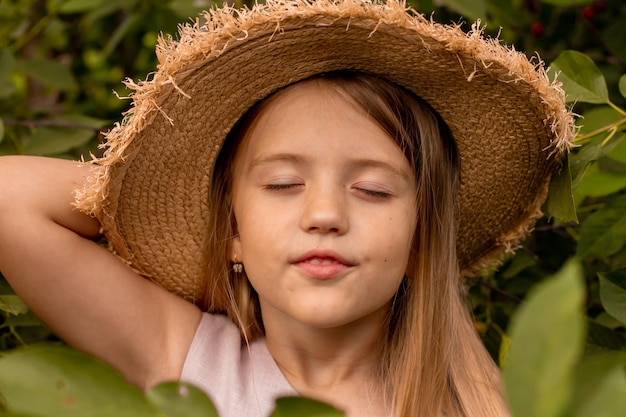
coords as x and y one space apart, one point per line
320 264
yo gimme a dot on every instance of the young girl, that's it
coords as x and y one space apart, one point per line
315 177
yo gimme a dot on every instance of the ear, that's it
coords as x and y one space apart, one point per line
236 252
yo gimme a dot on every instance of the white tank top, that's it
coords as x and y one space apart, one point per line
240 381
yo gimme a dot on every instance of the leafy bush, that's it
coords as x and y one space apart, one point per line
561 297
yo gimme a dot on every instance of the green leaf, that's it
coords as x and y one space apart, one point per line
618 152
547 334
622 85
600 387
12 304
49 73
604 232
303 407
591 121
54 141
560 202
56 381
581 78
613 293
175 399
604 337
597 118
597 183
23 320
7 63
185 9
1 130
80 6
474 9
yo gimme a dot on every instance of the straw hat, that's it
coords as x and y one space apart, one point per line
150 189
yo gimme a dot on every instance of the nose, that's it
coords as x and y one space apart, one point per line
325 211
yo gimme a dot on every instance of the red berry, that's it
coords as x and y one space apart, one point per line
589 12
537 29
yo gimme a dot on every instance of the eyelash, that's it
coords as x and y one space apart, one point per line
279 187
371 193
374 193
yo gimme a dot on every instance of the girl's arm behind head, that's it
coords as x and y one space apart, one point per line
82 291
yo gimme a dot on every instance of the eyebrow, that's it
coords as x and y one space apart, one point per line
278 157
353 163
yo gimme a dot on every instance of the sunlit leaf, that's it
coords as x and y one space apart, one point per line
303 407
12 304
547 334
56 381
474 9
613 293
600 387
622 85
581 78
560 202
177 399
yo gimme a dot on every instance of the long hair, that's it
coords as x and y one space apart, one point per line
431 360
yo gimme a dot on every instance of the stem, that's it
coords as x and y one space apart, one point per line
617 109
34 31
17 336
608 128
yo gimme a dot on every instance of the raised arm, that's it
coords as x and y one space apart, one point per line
83 292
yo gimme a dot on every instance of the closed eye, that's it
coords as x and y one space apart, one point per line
374 193
279 187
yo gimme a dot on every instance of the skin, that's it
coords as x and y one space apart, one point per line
339 190
324 202
86 295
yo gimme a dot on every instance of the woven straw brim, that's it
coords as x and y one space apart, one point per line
150 190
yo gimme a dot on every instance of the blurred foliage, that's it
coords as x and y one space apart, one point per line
558 331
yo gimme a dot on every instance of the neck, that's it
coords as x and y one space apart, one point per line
329 364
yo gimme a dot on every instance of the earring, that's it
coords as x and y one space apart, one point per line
237 266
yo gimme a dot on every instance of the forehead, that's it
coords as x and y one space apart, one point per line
316 114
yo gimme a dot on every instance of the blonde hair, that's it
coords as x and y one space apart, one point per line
432 361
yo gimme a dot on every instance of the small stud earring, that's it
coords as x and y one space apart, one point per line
237 266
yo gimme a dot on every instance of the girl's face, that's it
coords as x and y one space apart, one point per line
325 204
